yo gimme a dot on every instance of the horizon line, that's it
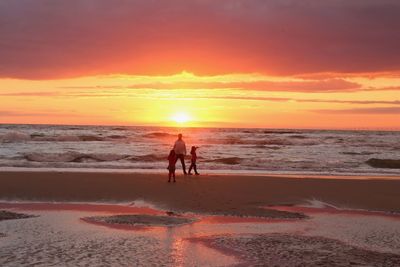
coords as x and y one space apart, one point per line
212 127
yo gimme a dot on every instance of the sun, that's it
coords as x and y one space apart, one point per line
180 117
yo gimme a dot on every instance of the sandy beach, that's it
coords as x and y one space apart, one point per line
206 193
125 219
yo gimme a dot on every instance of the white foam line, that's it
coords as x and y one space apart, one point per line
315 203
318 204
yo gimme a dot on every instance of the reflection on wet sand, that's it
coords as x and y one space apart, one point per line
60 237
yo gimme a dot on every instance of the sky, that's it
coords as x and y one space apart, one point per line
331 64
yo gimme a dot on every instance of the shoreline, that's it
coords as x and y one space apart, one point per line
217 194
205 172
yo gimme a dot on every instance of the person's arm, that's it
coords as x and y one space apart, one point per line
184 145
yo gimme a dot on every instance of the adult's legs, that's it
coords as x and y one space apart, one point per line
182 159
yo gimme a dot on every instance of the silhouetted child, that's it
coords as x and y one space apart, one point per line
171 165
193 160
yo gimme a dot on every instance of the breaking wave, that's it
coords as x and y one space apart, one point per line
239 141
280 132
365 153
149 158
298 136
72 157
120 129
227 161
115 136
14 137
11 137
384 163
93 157
158 135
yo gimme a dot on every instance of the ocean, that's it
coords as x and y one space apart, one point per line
222 150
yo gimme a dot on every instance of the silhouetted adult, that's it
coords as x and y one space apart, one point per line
180 151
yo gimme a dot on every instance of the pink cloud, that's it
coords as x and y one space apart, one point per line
43 39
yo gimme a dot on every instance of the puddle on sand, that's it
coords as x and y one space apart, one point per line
59 237
377 231
332 210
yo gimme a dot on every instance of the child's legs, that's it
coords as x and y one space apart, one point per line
171 173
191 167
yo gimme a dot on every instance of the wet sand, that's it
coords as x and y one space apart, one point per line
296 250
8 215
91 234
141 220
216 194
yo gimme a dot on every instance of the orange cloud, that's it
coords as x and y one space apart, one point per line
331 85
311 86
374 110
52 114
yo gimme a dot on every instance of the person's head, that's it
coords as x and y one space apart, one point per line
193 150
172 153
180 136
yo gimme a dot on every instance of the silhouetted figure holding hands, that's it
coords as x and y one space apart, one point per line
180 151
193 160
171 165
